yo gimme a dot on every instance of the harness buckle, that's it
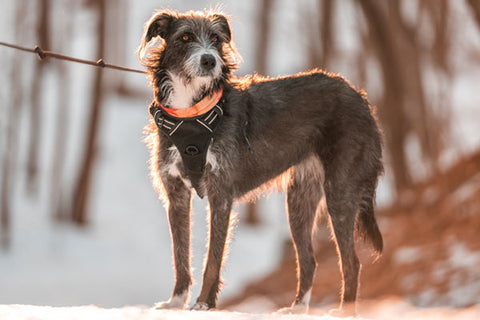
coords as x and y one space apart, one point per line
191 150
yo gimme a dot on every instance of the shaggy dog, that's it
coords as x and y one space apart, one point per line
311 134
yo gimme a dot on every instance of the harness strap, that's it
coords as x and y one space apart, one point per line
191 136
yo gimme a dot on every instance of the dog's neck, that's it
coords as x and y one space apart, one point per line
200 108
182 94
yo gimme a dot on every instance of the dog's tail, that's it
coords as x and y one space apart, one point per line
367 225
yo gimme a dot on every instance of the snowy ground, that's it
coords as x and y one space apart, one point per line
25 312
387 309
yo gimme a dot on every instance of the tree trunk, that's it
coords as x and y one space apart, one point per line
84 180
327 12
13 130
391 112
317 24
63 107
252 217
475 6
43 32
261 58
425 123
263 43
117 28
439 13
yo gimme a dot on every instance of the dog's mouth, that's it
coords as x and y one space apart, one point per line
205 64
205 74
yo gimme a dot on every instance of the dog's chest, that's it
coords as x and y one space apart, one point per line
171 164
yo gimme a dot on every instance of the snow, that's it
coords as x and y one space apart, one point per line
394 308
19 312
26 312
385 309
463 285
407 255
467 189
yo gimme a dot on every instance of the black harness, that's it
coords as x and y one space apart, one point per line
192 137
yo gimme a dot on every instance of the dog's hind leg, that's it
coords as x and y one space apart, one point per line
342 208
179 219
220 207
303 196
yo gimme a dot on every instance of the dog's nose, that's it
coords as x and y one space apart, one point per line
207 61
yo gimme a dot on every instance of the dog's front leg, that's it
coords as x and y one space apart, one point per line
179 219
220 208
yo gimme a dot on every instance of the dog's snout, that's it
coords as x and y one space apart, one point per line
207 61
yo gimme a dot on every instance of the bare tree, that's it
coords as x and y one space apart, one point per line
117 16
327 13
392 114
319 27
404 109
43 35
261 55
438 11
13 130
83 183
61 133
263 38
116 48
475 6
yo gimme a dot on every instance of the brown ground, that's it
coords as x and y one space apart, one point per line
431 254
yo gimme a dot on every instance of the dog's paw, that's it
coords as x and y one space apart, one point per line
345 312
169 305
296 309
200 306
175 302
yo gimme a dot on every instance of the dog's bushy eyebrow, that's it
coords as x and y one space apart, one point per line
181 30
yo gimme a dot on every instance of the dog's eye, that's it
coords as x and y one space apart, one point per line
215 38
186 37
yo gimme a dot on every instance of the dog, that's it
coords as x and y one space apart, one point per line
311 134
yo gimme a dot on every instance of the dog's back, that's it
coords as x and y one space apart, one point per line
292 118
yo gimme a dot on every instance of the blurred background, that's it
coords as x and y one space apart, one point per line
81 224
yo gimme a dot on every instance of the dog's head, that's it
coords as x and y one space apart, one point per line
189 45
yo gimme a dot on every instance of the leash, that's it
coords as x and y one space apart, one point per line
42 54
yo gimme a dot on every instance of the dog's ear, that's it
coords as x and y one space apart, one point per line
224 26
159 25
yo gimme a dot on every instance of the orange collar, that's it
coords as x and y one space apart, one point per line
203 106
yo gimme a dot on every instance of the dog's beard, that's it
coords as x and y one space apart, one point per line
184 91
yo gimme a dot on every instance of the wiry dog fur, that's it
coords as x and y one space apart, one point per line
312 134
